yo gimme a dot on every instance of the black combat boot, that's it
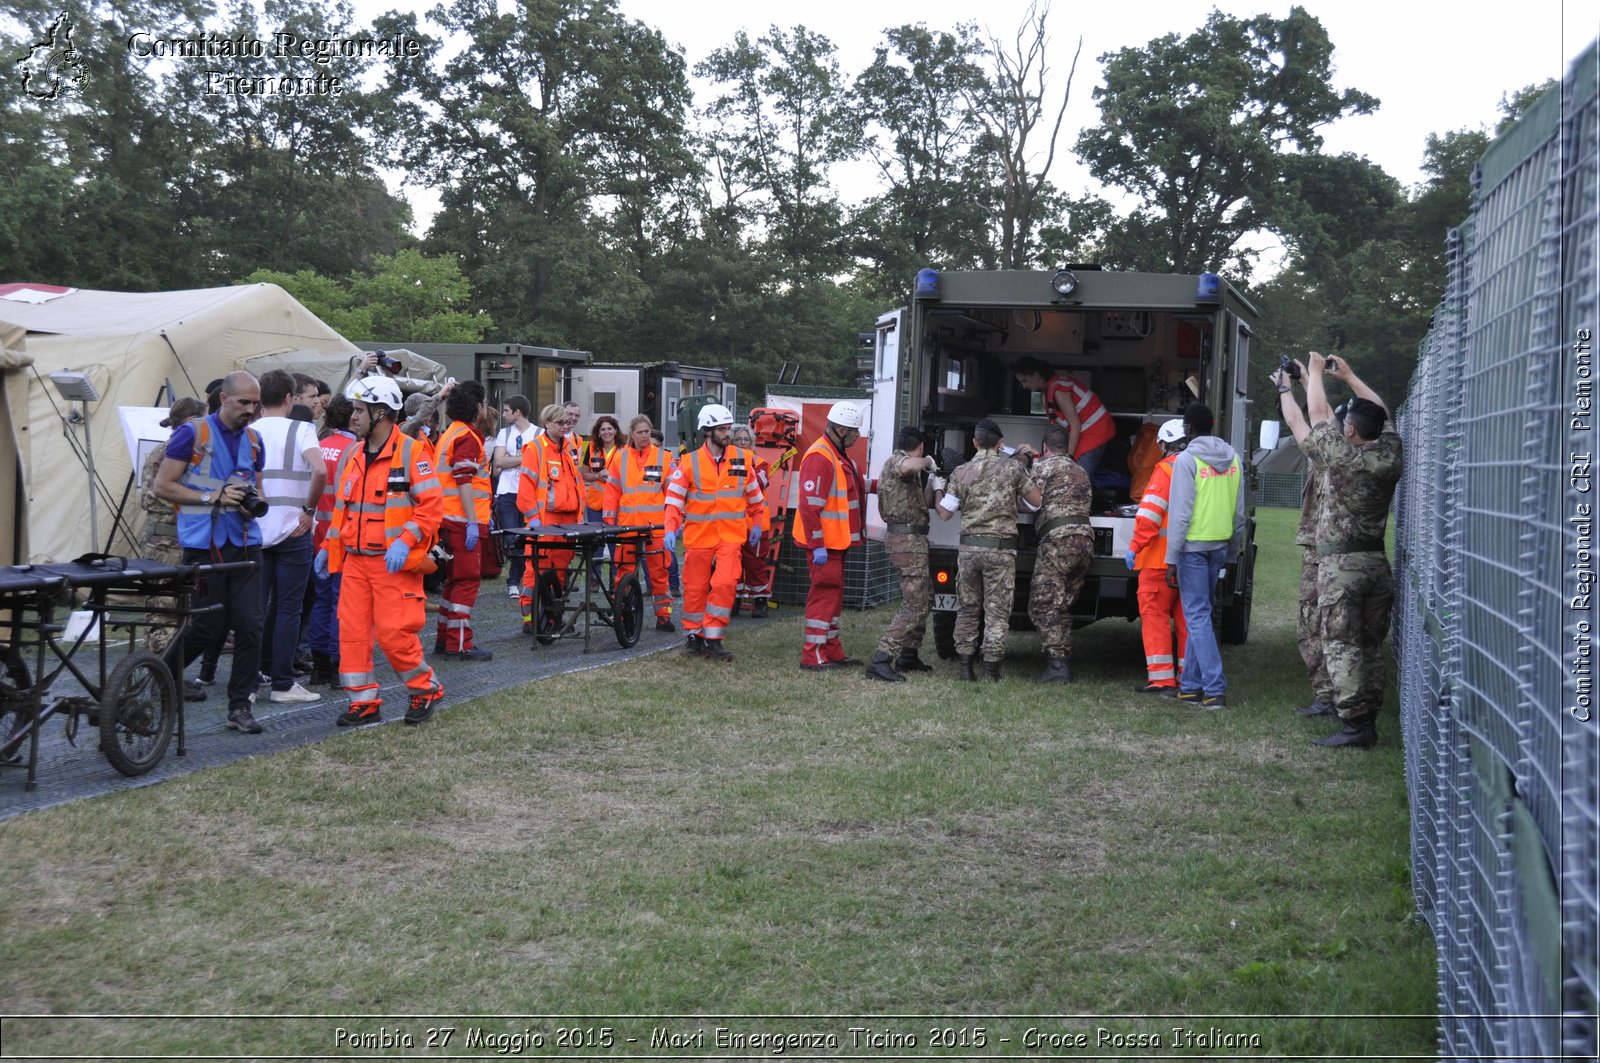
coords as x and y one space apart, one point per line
1358 731
991 670
965 661
908 661
878 668
1057 671
323 673
1318 707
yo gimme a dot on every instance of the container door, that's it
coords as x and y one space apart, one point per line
885 414
671 395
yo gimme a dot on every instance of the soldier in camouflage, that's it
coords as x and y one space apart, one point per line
158 540
904 495
1066 547
1309 640
987 492
1359 459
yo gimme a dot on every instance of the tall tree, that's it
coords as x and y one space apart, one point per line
1199 130
782 120
922 140
553 112
1013 109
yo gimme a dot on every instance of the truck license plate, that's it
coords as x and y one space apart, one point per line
944 603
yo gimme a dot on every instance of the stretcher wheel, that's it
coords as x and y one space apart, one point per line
14 682
627 617
548 601
137 708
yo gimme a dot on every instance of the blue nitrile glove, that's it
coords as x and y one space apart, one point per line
819 556
320 564
670 541
755 537
394 558
1128 558
472 536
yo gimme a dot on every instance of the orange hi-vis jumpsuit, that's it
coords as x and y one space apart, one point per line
716 503
393 496
1159 606
550 492
831 493
467 499
635 497
755 577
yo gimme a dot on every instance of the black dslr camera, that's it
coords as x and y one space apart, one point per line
253 504
1288 366
388 363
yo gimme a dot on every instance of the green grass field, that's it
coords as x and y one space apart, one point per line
670 837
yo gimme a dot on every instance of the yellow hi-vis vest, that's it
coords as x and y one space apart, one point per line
1216 499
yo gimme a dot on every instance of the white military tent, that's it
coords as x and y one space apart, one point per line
139 350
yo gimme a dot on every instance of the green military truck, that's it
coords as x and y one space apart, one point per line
1147 344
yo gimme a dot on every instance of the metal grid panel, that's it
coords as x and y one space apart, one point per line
1484 622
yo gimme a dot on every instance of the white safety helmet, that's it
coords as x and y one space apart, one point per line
845 415
714 415
376 391
1170 431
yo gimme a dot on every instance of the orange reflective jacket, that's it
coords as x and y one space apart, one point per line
830 500
715 501
393 496
636 492
596 458
461 457
1149 544
550 491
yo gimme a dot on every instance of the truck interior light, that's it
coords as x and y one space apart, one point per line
1065 282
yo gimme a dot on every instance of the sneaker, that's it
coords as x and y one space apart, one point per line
193 691
1187 696
1213 702
513 591
361 712
663 624
207 678
241 720
295 693
422 705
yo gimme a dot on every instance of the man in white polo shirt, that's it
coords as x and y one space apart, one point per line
505 455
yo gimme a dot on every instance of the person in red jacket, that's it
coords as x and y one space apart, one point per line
467 498
1072 406
827 524
755 576
1159 607
324 633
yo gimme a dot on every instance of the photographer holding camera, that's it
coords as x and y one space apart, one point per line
211 474
1358 457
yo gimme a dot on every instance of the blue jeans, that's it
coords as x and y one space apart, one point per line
506 515
1089 461
1202 658
285 568
324 630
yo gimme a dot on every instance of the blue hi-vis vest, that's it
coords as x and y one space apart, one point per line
211 468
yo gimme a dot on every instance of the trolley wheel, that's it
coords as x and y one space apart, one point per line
548 602
14 682
627 615
136 713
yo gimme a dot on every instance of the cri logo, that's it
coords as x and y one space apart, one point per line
51 63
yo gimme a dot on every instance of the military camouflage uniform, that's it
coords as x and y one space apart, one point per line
1355 589
158 541
901 502
1065 551
1306 623
988 487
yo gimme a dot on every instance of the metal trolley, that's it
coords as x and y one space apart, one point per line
135 700
621 602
